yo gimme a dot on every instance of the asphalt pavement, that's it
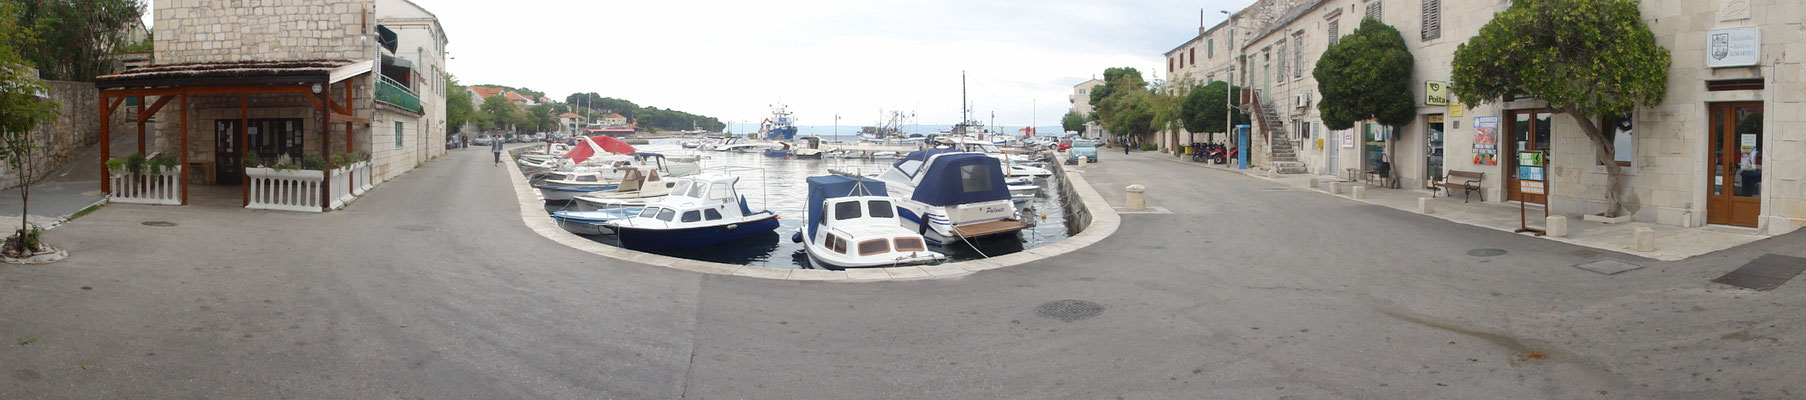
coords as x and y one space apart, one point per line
430 287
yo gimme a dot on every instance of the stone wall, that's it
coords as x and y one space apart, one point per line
73 131
191 31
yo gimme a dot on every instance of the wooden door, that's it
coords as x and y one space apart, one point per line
1734 164
1528 130
227 160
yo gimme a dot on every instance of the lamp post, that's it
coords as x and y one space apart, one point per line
1229 85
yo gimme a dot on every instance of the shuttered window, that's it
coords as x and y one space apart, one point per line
1282 62
1334 37
1432 19
1373 10
1298 54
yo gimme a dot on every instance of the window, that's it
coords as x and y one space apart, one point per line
666 214
1282 61
880 209
874 246
1333 36
976 178
695 191
1210 49
1432 19
1169 64
1298 54
910 244
846 210
711 214
836 244
586 178
692 216
398 133
1304 130
1194 55
723 192
1624 148
682 186
649 212
1373 10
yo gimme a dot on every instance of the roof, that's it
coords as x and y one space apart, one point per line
485 92
1291 14
296 70
512 96
614 115
570 115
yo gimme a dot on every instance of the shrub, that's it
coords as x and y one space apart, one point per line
1148 147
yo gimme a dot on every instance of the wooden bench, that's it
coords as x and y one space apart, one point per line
1470 182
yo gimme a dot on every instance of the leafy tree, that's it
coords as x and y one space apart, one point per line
1123 102
499 114
1367 76
1585 58
538 118
22 107
459 107
1114 80
1073 122
1206 107
73 40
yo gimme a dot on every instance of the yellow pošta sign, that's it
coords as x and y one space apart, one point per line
1435 93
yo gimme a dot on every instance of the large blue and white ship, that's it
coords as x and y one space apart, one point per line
781 125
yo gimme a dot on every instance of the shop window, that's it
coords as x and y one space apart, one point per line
1623 146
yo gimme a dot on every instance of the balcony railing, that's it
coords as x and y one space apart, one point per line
395 94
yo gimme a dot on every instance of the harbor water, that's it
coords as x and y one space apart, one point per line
778 185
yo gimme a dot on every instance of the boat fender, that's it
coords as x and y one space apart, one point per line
796 237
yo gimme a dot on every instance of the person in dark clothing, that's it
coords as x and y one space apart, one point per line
496 146
1125 145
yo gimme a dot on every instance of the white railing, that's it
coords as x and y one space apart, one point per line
287 190
360 178
161 189
341 187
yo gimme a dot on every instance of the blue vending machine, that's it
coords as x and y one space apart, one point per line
1241 146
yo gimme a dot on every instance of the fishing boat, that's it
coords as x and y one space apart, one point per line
591 222
700 211
949 196
852 223
780 126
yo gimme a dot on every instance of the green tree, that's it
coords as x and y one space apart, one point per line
73 40
499 114
1585 58
1123 104
1206 107
1073 122
23 105
1366 76
538 118
459 105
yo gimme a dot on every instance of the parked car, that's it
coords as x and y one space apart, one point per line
1065 144
482 140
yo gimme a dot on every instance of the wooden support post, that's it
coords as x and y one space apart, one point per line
105 147
325 143
183 151
140 124
244 125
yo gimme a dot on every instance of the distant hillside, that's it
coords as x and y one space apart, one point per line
648 118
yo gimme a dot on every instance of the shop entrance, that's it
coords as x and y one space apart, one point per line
1373 149
1530 130
1735 165
1432 149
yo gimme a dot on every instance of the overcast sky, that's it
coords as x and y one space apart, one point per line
731 59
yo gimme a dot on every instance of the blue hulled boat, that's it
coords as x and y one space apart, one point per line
700 211
781 125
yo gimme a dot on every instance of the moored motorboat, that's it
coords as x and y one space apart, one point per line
949 196
637 188
591 222
700 211
852 223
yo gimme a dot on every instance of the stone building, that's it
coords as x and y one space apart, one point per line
1722 148
1081 104
294 78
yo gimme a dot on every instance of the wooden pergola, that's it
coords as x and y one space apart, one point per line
312 80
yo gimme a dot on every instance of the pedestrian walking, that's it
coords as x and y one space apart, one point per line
496 146
1125 145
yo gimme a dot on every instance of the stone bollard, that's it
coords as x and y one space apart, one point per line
1424 205
1645 239
1273 173
1359 193
1556 226
1137 199
1314 183
1335 188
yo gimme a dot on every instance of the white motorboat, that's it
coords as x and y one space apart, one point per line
1024 170
852 223
562 186
949 195
591 222
700 211
638 188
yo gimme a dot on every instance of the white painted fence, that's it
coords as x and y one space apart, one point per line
341 184
161 189
287 190
360 178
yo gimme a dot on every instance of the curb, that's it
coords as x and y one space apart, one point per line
1104 222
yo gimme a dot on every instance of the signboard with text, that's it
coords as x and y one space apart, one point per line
1531 165
1486 140
1435 93
1733 47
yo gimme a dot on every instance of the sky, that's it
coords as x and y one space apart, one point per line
732 59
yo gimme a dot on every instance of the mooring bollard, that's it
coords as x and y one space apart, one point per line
1137 198
1556 226
1424 205
1645 239
1359 193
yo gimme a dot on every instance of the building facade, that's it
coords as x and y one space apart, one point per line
1081 104
1721 148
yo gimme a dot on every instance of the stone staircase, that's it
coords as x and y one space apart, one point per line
1283 157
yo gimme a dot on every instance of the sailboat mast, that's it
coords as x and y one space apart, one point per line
964 113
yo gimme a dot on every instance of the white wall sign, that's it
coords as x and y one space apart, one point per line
1348 139
1733 47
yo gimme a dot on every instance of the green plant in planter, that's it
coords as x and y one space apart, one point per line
253 160
25 242
162 163
363 156
135 164
313 162
115 165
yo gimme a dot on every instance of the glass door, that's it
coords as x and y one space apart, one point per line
1432 149
1530 130
1734 180
228 163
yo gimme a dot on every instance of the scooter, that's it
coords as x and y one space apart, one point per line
1214 152
1197 152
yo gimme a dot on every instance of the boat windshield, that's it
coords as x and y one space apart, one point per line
722 192
666 214
696 190
649 212
682 186
975 178
880 209
846 210
909 167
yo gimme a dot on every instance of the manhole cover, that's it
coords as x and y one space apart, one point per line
1069 310
1608 266
159 224
414 228
1486 252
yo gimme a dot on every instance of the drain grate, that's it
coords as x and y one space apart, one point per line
1486 252
159 224
1069 310
1607 266
414 228
1764 273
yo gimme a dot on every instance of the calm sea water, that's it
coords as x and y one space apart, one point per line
779 185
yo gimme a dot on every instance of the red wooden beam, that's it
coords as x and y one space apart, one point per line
184 150
349 84
144 115
106 115
140 125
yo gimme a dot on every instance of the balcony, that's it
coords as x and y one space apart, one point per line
393 93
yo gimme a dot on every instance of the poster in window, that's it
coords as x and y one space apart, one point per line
1486 140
